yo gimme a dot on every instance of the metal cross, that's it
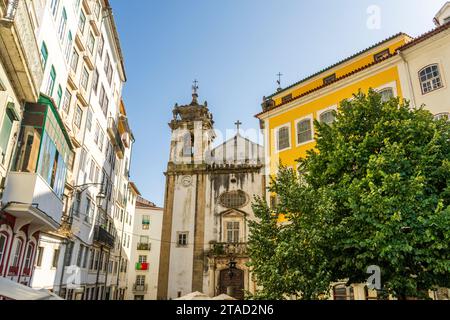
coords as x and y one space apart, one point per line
195 86
238 125
279 79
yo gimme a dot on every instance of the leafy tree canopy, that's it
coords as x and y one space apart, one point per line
375 191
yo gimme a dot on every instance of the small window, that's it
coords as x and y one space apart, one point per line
59 97
386 94
2 247
328 117
40 254
78 117
67 100
430 79
283 138
381 55
85 79
74 61
145 222
44 54
143 259
82 22
286 98
304 131
51 82
329 79
55 258
182 240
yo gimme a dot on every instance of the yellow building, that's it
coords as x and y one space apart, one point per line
414 69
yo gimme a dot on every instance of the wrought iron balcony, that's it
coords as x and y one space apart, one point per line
144 246
140 288
103 236
227 249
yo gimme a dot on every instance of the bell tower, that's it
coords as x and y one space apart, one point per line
183 235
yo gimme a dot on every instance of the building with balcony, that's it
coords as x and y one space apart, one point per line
145 251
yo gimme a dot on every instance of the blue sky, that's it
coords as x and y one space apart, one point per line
235 48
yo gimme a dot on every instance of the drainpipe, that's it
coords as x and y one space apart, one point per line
410 84
120 255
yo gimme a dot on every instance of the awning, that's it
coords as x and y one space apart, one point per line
16 291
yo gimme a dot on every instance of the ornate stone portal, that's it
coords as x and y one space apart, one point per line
207 207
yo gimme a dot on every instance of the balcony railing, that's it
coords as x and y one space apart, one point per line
114 134
144 246
226 249
19 46
140 288
104 237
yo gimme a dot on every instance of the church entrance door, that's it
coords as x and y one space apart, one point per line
232 285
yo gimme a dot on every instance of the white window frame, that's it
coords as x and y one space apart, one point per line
309 117
441 77
276 131
391 85
320 112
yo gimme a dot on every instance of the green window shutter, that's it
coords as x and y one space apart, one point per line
5 133
53 77
44 54
59 97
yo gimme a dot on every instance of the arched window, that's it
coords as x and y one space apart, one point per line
188 145
17 252
28 257
3 243
341 292
386 94
430 78
304 131
328 117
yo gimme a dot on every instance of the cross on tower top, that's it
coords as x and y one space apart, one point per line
279 80
195 87
238 125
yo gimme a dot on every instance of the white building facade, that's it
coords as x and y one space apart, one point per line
146 245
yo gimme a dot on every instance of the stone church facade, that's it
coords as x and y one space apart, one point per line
207 207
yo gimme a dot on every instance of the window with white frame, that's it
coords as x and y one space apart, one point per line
233 230
304 131
66 102
182 239
62 25
430 78
283 138
386 94
16 258
328 117
3 241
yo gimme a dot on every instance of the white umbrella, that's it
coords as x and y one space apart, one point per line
16 291
195 296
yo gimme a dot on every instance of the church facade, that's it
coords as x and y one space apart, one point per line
209 192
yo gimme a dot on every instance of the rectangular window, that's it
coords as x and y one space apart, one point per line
95 81
51 82
40 254
97 133
67 100
101 45
83 155
74 62
68 46
62 25
286 98
182 240
59 97
44 54
78 117
82 22
80 255
283 138
232 232
55 258
91 43
381 55
329 79
54 7
142 259
104 101
100 141
145 222
304 131
5 133
107 63
89 120
85 79
140 280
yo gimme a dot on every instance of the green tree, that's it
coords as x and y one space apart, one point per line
375 191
